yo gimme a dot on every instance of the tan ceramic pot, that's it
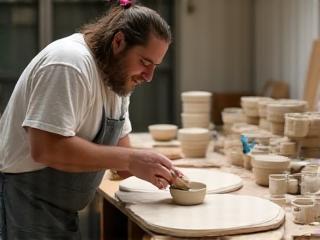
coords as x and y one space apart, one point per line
264 165
163 132
296 125
303 210
195 195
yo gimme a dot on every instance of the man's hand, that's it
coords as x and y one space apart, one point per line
152 167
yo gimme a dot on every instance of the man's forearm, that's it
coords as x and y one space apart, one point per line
75 154
124 142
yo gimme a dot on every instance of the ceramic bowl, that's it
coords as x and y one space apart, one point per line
163 132
195 195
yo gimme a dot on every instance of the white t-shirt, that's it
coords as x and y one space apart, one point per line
60 92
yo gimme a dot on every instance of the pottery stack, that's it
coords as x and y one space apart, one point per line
231 116
261 138
233 150
196 106
194 141
233 147
250 107
276 113
264 165
303 129
262 108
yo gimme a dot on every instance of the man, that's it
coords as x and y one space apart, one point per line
66 114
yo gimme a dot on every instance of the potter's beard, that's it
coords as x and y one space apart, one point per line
117 78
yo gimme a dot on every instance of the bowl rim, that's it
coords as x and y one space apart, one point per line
202 186
165 127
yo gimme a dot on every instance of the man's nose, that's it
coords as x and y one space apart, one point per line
148 74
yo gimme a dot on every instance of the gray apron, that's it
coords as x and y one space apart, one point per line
44 204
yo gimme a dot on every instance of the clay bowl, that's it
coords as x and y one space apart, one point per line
195 195
163 132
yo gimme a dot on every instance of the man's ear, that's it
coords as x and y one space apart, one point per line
118 43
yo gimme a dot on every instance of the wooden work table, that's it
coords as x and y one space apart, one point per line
118 223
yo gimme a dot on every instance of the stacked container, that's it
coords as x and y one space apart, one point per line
264 165
194 141
250 107
276 113
231 116
196 106
304 130
262 108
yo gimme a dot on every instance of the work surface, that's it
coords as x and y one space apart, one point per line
217 161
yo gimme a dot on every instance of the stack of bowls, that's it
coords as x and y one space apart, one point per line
262 108
250 107
276 113
194 141
304 130
196 106
231 116
233 150
264 165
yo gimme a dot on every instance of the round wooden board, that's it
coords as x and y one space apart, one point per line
220 214
216 181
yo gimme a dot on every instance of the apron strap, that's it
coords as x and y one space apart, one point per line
124 101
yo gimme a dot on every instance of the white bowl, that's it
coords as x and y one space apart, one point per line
163 132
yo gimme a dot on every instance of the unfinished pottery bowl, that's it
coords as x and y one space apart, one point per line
163 132
195 195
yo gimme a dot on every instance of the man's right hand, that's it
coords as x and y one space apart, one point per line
152 167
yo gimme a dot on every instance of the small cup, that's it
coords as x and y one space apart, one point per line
292 185
310 183
278 184
303 210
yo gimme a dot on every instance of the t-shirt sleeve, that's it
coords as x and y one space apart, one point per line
57 99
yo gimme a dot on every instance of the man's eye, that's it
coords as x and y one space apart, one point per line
145 62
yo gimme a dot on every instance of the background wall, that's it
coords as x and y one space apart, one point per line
284 31
237 45
215 44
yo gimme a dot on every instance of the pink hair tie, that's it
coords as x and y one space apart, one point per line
125 3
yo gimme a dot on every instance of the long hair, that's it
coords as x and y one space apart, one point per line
135 22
